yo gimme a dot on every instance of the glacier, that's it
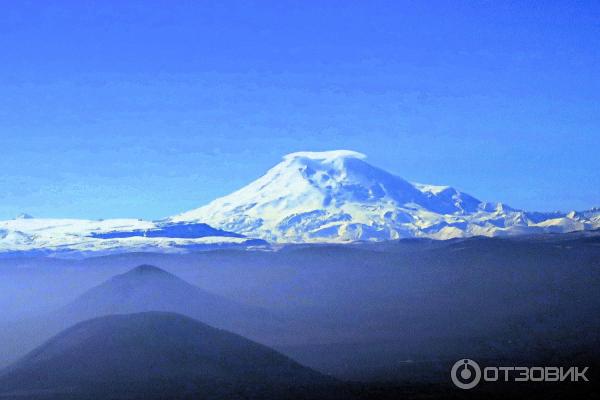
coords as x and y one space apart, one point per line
79 237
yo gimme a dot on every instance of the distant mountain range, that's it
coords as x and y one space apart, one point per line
333 196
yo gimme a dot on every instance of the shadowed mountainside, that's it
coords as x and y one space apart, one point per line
154 355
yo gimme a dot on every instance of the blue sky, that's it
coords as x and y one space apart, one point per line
146 109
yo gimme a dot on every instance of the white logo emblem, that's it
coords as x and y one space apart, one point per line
465 374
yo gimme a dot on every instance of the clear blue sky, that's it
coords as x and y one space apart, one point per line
146 109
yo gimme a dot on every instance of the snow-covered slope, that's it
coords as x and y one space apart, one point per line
79 237
337 196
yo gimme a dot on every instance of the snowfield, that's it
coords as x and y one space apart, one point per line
66 236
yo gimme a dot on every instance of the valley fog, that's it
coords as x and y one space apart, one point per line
384 312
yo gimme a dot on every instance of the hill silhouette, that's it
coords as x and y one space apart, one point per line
149 288
144 288
154 355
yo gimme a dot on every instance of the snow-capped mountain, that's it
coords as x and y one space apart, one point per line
332 196
338 196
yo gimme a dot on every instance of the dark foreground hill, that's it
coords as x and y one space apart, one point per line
156 355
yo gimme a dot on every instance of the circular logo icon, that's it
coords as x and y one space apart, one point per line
465 374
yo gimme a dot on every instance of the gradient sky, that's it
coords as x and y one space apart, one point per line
146 109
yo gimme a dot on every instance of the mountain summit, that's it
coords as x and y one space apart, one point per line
149 288
338 196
